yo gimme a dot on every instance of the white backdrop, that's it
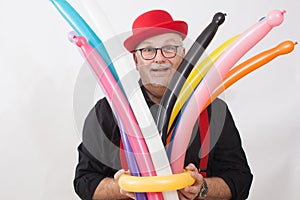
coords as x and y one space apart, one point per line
40 69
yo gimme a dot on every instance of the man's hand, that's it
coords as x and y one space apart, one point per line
191 192
187 193
123 192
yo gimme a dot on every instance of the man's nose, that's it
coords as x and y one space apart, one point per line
159 58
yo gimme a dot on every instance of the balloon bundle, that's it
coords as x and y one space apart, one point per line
190 91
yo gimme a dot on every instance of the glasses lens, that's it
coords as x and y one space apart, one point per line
148 53
169 51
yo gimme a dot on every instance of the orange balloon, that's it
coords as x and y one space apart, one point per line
250 65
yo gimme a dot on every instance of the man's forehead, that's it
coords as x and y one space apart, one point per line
162 39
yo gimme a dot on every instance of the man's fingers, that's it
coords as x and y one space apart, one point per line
129 194
198 177
191 167
192 190
182 196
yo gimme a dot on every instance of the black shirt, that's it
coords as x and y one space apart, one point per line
99 153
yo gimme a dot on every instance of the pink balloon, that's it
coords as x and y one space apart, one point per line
212 79
122 109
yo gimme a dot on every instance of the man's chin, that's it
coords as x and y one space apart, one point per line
156 85
155 89
159 82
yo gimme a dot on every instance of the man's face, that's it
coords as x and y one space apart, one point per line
159 71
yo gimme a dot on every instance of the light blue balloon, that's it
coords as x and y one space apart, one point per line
82 28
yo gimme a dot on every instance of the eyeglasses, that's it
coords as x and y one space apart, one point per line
149 53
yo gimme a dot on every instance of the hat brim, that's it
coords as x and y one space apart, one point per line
141 34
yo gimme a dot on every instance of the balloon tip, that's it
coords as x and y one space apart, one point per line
296 43
283 12
72 36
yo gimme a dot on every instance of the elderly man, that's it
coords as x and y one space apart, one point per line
157 47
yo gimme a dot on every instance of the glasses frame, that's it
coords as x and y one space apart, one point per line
161 51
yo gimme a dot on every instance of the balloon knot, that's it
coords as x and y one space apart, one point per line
296 43
72 36
283 12
80 41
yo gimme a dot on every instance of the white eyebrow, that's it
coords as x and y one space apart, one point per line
150 43
145 42
174 40
171 40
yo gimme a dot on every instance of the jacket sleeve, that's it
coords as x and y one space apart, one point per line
98 152
88 174
229 161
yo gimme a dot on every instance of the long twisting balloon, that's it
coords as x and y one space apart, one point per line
212 79
195 77
131 161
156 183
134 96
184 70
82 28
127 147
250 65
123 110
131 89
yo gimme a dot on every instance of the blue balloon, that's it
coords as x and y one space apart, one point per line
82 28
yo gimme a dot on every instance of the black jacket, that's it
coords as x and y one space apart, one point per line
99 153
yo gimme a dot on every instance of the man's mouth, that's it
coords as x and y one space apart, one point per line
161 71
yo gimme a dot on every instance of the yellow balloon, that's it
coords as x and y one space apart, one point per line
155 183
196 76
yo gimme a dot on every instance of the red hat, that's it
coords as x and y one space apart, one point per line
152 23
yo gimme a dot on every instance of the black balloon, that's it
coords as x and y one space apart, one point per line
170 96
